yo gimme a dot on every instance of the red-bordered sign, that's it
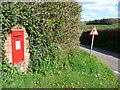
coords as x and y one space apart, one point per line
94 31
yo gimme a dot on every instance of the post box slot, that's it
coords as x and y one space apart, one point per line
16 35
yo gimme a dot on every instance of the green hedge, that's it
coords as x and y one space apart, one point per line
107 39
49 25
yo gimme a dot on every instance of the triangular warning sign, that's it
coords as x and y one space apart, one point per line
94 31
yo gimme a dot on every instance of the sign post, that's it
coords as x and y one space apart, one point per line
91 45
93 32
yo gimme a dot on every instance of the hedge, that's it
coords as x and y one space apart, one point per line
107 39
49 25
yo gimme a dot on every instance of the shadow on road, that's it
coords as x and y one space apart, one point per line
103 51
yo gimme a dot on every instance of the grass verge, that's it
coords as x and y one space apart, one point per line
75 70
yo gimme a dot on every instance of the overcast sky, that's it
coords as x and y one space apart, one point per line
99 9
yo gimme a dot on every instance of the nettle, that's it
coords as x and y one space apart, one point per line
50 25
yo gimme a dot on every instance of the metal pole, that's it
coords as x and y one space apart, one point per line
91 45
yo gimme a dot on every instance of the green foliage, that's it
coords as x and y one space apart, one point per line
48 24
52 29
102 27
9 72
75 69
107 39
103 21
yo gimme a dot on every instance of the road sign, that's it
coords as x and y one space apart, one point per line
94 31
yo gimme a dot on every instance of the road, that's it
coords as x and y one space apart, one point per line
110 58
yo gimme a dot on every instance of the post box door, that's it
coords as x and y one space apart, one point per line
17 46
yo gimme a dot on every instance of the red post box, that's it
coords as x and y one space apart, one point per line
17 46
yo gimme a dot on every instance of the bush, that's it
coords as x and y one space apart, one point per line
107 39
49 25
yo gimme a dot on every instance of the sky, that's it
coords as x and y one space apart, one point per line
98 9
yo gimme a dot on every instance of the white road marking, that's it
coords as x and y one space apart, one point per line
117 72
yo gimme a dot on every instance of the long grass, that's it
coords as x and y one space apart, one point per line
75 70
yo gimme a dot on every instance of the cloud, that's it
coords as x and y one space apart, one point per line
109 6
91 14
87 17
98 9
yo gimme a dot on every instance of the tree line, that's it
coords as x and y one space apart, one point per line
103 21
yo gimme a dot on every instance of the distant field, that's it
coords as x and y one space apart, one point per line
101 27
